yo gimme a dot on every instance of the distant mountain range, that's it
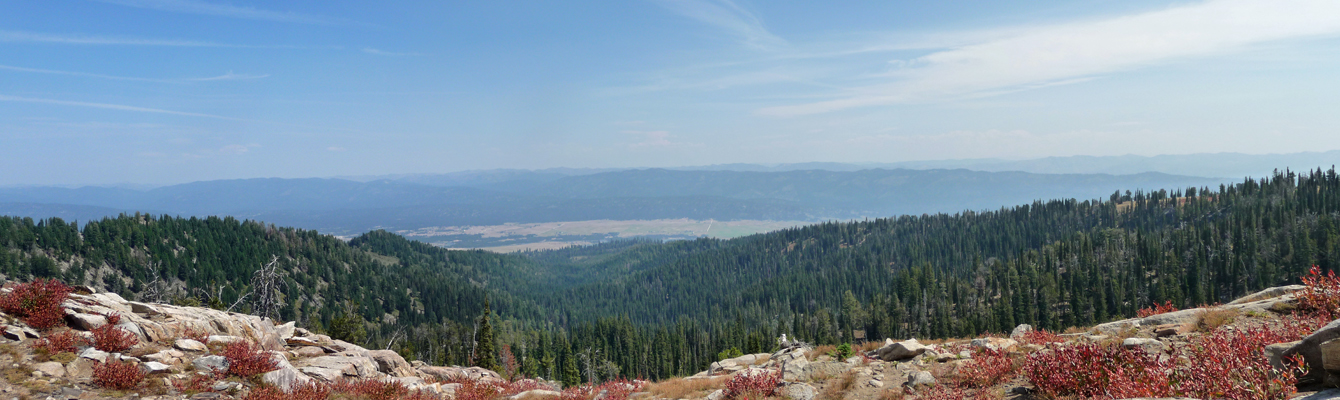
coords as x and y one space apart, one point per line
347 206
1216 165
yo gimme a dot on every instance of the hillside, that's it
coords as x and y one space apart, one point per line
663 309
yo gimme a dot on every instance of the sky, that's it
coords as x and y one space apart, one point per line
170 91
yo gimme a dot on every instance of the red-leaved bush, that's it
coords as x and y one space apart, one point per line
1322 295
987 368
117 375
309 391
1225 364
1090 369
614 390
59 342
1229 364
1157 309
475 390
37 303
197 383
1041 337
195 334
373 389
247 360
111 338
753 385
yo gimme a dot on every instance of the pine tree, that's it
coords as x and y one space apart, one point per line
484 353
571 375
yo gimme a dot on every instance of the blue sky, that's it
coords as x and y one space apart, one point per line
166 91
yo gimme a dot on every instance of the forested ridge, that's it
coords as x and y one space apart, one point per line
640 308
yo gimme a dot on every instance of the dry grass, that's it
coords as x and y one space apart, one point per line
820 351
1211 319
1075 329
11 350
531 396
835 387
143 350
871 346
892 394
18 375
944 341
680 388
64 358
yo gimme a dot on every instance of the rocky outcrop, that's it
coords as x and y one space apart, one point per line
991 343
175 344
1310 348
1265 301
1020 331
798 391
167 323
738 363
900 351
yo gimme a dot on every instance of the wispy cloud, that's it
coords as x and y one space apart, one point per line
728 16
225 10
656 139
228 76
35 37
370 50
236 149
107 106
1073 52
82 74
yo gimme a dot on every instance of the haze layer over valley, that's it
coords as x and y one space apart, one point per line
533 209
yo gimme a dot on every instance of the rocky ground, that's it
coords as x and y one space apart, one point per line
180 346
183 353
909 369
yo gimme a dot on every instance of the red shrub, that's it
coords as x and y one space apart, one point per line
614 390
752 385
59 342
1089 369
197 383
195 334
1322 295
38 302
583 392
111 338
117 375
987 368
246 360
511 388
299 392
1157 309
1041 337
374 389
1229 364
476 390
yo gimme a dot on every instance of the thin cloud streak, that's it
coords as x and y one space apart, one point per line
33 37
728 16
1069 53
224 10
370 50
228 76
83 74
109 107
